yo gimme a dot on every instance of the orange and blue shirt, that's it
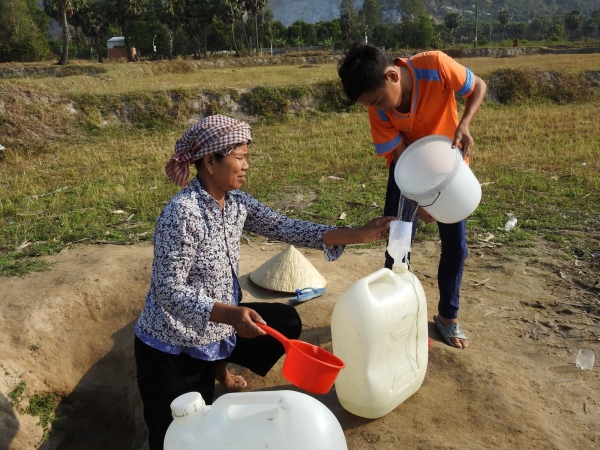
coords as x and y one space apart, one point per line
436 78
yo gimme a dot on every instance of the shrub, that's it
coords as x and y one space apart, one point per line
515 86
267 102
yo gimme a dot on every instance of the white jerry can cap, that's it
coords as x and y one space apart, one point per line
400 267
187 404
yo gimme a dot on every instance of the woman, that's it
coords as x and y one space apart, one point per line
192 324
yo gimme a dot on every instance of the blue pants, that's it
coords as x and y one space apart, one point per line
454 247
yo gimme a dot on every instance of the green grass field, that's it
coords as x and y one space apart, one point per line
540 161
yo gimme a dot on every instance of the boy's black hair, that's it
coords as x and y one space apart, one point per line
362 69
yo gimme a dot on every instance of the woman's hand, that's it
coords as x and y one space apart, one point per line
375 230
239 317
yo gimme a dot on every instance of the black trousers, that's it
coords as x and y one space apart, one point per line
162 377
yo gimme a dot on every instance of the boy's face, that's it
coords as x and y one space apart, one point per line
385 98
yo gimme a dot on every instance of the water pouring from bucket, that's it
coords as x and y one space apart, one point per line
399 242
435 175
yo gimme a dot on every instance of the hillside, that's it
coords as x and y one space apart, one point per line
311 11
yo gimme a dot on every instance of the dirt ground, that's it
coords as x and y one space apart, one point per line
69 330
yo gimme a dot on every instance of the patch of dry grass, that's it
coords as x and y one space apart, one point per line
124 78
571 64
540 162
167 75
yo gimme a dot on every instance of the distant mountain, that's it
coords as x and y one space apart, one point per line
311 11
519 10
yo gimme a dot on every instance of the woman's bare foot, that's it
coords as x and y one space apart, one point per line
231 383
457 342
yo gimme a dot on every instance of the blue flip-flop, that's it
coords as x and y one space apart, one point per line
308 293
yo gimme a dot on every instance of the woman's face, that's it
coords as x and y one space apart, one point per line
230 172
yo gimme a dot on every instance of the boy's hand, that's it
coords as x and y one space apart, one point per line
400 149
463 139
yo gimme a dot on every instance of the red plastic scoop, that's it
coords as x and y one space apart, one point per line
307 366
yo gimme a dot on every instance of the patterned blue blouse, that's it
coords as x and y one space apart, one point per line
196 259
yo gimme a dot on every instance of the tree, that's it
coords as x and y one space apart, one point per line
383 35
539 26
503 17
414 16
370 13
75 22
573 21
425 31
94 24
254 8
61 10
232 12
306 32
348 19
558 18
412 10
294 31
171 13
591 24
197 20
452 22
268 28
556 32
126 13
329 30
309 33
22 31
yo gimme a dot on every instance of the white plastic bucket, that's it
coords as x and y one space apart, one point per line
436 176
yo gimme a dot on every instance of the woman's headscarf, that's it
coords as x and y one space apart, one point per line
213 134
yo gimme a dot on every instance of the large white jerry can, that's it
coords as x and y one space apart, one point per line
278 420
379 329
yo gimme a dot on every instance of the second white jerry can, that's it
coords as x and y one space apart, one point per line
379 329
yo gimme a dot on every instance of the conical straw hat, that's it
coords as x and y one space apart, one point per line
288 271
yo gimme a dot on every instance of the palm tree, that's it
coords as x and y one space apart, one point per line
503 17
94 24
171 12
232 13
255 7
61 10
573 21
452 22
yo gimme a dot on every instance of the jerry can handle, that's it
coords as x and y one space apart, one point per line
376 275
272 398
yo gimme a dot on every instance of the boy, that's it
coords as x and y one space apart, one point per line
408 99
